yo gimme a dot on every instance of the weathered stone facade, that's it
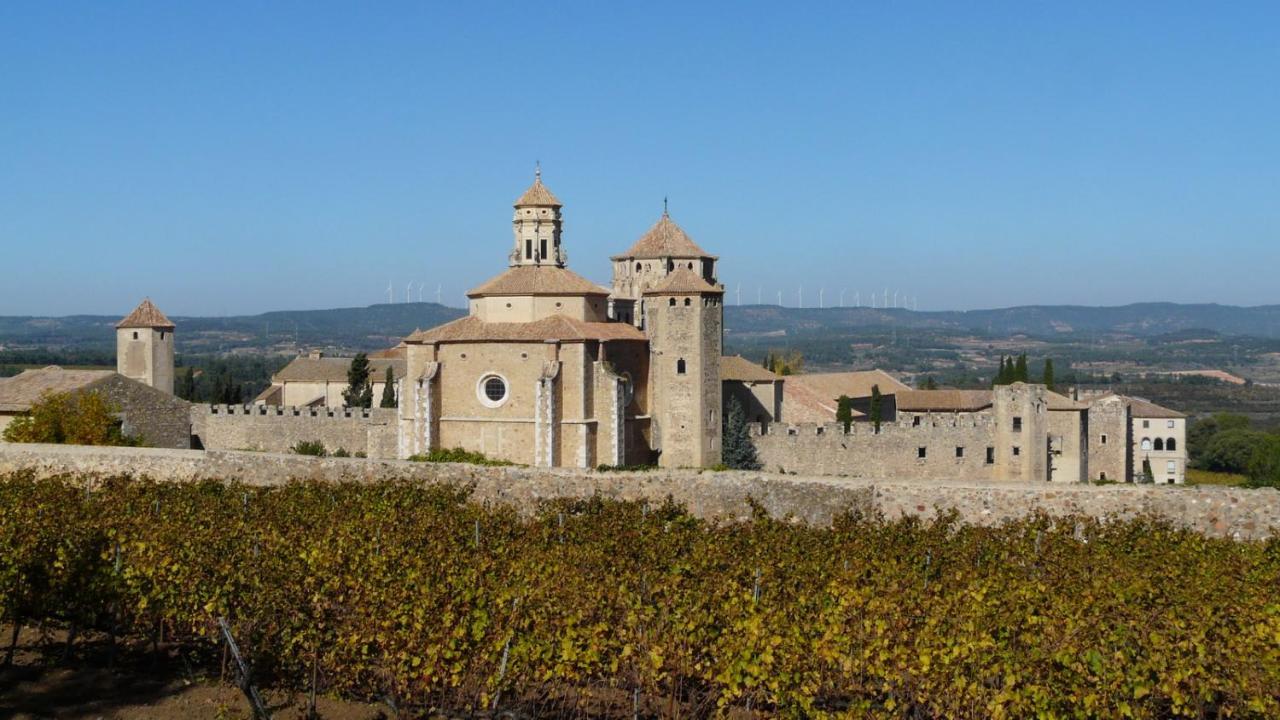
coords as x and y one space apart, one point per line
1216 511
277 429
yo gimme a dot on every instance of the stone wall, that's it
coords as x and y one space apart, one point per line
272 428
955 446
1217 511
159 418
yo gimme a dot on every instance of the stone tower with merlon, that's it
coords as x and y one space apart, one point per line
144 347
683 317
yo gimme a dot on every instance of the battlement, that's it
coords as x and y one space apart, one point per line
927 425
292 411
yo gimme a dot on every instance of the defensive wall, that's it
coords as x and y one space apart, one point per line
955 446
274 428
1217 511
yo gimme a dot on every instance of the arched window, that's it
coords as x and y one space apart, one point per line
1170 444
637 267
687 302
1159 444
690 266
671 265
1146 443
672 302
680 366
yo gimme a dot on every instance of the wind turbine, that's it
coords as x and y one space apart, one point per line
822 292
895 298
439 288
420 284
407 290
842 292
857 298
779 298
739 294
800 297
390 293
759 295
885 304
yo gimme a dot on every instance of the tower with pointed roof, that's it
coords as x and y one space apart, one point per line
144 347
537 224
666 285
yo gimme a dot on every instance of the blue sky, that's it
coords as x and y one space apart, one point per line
242 157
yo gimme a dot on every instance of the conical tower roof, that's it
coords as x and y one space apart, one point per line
664 239
146 315
538 194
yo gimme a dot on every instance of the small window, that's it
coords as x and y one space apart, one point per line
690 266
161 334
493 390
1146 443
959 452
528 249
671 302
1104 438
1171 466
1102 476
1170 425
135 334
1169 481
1017 424
921 452
1159 444
688 302
1146 423
1170 444
638 266
1017 451
991 456
915 421
680 366
544 248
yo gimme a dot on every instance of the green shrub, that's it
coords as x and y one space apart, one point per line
341 453
457 455
310 447
626 468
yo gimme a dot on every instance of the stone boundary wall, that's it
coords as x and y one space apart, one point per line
275 428
826 449
1216 511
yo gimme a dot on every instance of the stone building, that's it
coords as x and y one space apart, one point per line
757 389
813 397
144 347
550 369
1128 434
319 381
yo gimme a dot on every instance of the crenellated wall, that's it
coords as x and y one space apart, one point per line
275 428
893 452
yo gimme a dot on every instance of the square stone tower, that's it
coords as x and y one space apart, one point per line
144 347
684 320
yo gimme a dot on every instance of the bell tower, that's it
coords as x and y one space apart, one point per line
144 347
537 226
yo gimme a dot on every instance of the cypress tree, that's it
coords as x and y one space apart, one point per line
1002 374
738 452
389 389
844 411
877 407
359 392
929 383
1048 373
1020 370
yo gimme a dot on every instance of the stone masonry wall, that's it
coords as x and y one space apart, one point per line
811 449
273 428
1216 511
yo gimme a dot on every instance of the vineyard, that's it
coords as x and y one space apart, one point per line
414 595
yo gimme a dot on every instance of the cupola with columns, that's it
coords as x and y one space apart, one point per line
537 225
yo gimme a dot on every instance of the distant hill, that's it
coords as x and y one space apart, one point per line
379 326
367 328
1140 320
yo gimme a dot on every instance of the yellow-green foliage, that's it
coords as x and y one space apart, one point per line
84 418
413 592
457 455
1209 477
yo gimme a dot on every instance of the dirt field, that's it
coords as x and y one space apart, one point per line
133 683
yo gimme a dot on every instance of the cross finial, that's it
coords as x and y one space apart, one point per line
537 169
664 206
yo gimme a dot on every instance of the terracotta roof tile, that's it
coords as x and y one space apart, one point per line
537 280
20 392
812 397
1142 408
664 239
146 315
538 194
555 327
945 400
736 367
334 369
683 281
1058 401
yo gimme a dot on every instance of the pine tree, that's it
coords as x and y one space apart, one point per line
877 407
359 392
389 389
844 411
929 383
738 451
1048 373
1002 374
1020 370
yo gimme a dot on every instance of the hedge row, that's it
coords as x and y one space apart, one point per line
412 592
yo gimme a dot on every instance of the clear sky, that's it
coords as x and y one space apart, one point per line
228 157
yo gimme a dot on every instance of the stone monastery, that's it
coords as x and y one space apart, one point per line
549 369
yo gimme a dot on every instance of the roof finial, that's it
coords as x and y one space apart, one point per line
537 170
664 206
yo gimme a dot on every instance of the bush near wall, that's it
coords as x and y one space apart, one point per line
411 592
